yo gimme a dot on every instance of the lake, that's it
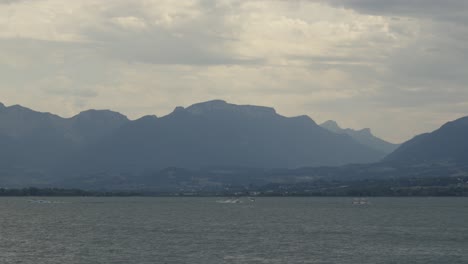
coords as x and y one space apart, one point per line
203 230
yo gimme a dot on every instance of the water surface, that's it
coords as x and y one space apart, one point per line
201 230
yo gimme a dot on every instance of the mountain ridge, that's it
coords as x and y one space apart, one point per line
227 135
104 149
213 133
448 143
363 136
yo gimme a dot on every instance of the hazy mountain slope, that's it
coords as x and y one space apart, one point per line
90 126
38 137
448 143
8 153
363 136
216 133
39 141
40 147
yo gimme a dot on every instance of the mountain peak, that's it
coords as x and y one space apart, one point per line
209 106
448 143
215 102
179 109
149 118
92 113
363 136
463 121
332 126
220 106
366 131
24 111
18 107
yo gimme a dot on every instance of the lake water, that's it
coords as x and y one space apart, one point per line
201 230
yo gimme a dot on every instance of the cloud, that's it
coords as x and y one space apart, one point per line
363 63
6 2
130 22
450 10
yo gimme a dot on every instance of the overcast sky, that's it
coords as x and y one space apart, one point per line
399 67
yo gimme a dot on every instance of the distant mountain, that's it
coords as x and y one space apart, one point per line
448 143
42 148
35 141
209 145
213 133
92 125
22 123
217 133
363 136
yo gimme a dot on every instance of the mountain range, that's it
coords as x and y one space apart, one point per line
101 148
449 143
363 136
212 133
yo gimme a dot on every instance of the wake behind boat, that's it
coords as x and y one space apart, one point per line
37 201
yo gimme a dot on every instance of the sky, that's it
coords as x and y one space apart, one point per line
398 67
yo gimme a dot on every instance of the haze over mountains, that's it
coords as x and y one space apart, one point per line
38 141
101 147
216 133
449 143
213 133
363 136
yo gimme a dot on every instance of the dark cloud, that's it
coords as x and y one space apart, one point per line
454 10
6 2
431 68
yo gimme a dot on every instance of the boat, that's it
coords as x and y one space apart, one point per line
230 201
40 201
360 201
